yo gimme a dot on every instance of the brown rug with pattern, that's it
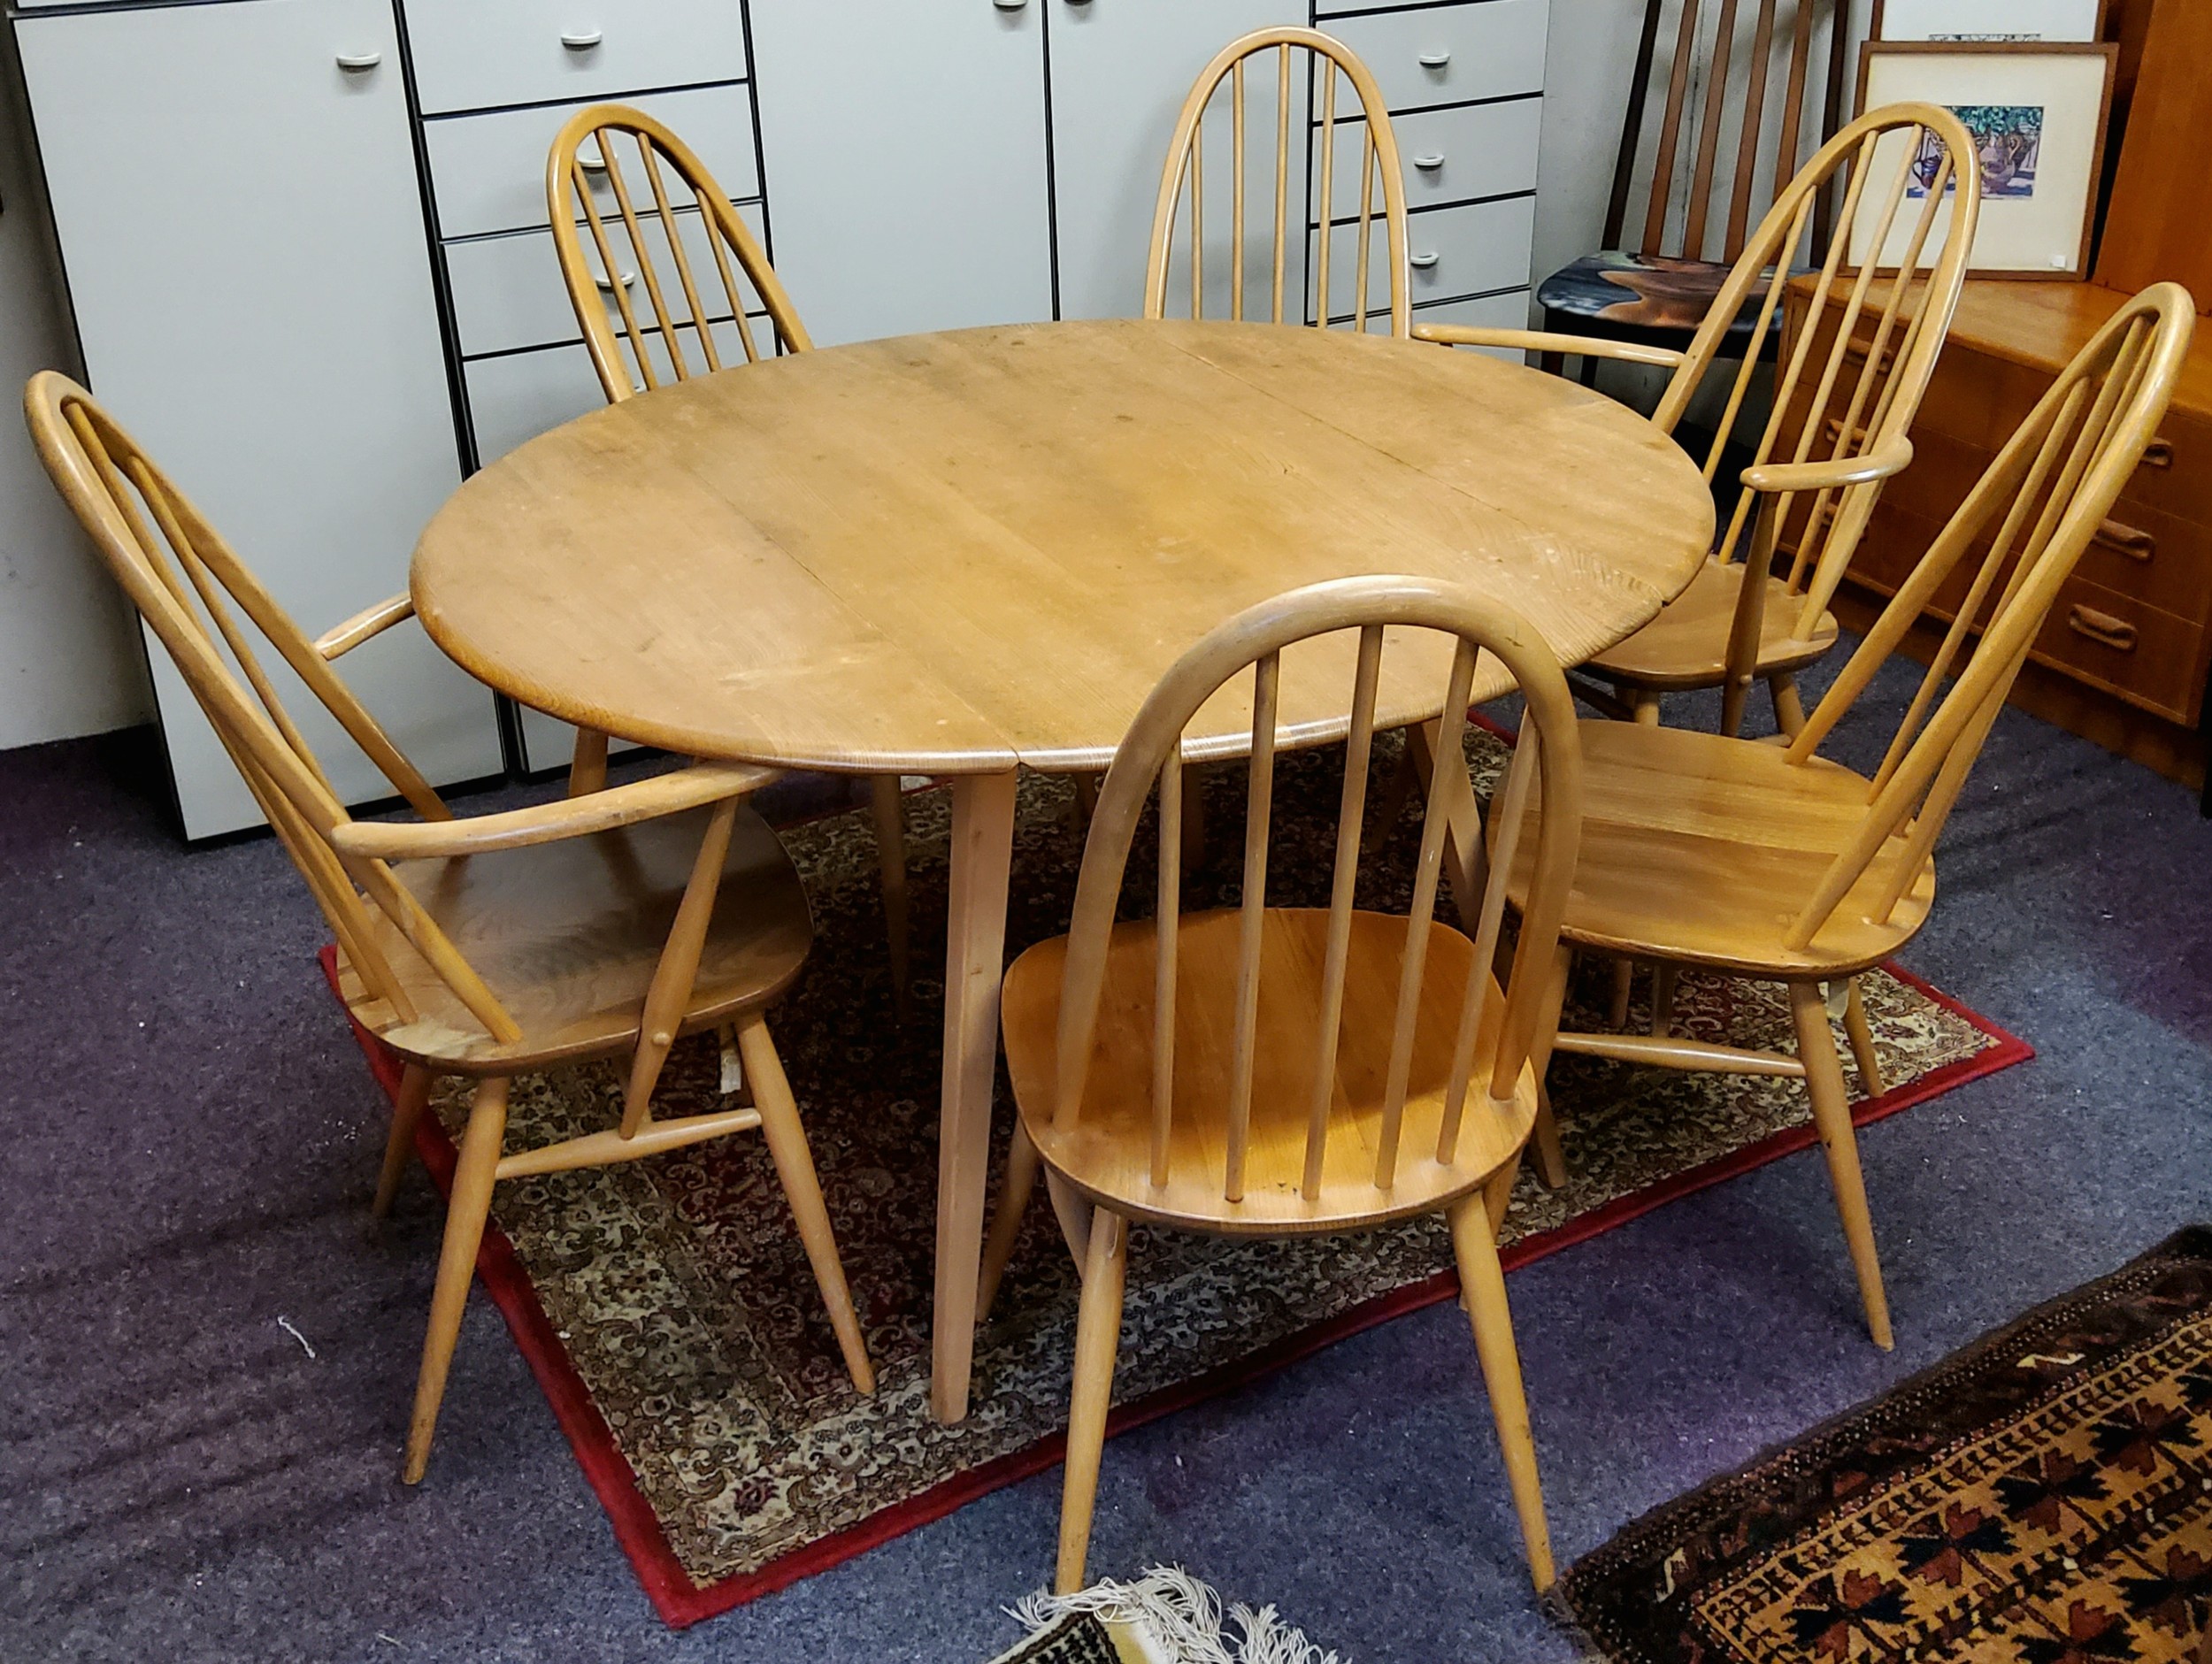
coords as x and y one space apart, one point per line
667 1308
2044 1496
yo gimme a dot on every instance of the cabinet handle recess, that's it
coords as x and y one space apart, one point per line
1435 60
2102 627
359 62
1429 164
582 40
1421 262
2158 453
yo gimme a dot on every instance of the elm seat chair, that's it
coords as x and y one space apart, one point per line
704 279
603 926
1273 1071
1722 152
1821 481
1769 861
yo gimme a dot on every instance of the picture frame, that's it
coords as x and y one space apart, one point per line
1989 20
2040 110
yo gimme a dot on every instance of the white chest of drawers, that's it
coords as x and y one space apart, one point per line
325 294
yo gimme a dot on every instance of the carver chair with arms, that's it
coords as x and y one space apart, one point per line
604 925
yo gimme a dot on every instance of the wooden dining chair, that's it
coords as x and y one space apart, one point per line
1817 478
1299 73
1289 1072
1739 119
1769 861
660 233
604 925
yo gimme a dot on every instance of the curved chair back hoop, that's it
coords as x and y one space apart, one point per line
1494 1033
1901 277
2053 485
656 240
185 580
1340 200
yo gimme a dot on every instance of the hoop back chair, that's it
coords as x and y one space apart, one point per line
1729 143
1306 66
1837 429
610 241
1277 1071
1771 861
596 926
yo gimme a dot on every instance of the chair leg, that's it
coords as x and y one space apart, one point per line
1482 1281
1860 1033
588 768
1663 978
1405 779
414 1097
1831 1116
1789 708
1193 817
1006 1224
1097 1340
1645 703
1624 980
1086 800
464 1214
890 818
795 1166
1551 1162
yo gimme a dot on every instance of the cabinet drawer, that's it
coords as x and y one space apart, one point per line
1449 54
488 172
1477 250
508 293
2146 656
481 54
1449 156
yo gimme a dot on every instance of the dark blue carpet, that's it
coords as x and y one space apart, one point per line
189 1138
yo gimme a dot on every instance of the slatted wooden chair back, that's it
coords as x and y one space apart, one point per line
1734 140
2045 495
639 221
1496 1028
1276 73
1840 396
207 609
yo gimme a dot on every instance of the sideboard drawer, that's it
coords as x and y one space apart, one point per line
2146 656
481 54
508 293
488 172
1448 155
1474 249
1451 54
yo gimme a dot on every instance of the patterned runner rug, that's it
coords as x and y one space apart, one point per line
2044 1496
667 1309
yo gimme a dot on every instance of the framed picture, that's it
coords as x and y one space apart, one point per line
1988 20
2038 114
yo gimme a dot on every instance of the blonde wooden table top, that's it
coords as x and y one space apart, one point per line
948 554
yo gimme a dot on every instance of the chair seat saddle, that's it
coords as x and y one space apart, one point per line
1686 645
1104 1155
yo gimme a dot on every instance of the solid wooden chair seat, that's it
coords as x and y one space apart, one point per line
1686 645
567 934
1699 848
1105 1153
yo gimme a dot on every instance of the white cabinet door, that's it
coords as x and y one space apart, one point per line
902 141
243 238
1120 72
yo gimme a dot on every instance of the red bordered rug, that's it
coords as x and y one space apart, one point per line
666 1312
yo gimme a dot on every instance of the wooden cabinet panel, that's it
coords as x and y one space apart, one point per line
2115 642
242 234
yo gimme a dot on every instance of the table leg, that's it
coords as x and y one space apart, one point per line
1466 865
975 955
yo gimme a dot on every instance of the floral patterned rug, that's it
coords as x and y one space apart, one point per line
2044 1496
667 1307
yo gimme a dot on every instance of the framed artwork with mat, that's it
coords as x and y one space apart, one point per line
1988 20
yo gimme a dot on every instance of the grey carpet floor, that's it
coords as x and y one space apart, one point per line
189 1135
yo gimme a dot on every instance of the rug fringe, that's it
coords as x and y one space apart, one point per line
1181 1617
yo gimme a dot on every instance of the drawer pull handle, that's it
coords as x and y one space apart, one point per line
2158 453
1435 60
629 278
2126 540
2102 628
1421 262
591 161
582 40
1009 6
1429 164
359 62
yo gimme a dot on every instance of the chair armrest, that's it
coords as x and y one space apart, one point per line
669 794
372 621
1537 340
1879 463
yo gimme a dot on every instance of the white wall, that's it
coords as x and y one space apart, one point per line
70 659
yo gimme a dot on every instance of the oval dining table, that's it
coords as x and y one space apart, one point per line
958 555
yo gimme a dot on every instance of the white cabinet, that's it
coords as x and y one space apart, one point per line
1121 70
903 144
241 232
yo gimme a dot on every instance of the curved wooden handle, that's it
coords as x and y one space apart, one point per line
2126 540
2102 628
